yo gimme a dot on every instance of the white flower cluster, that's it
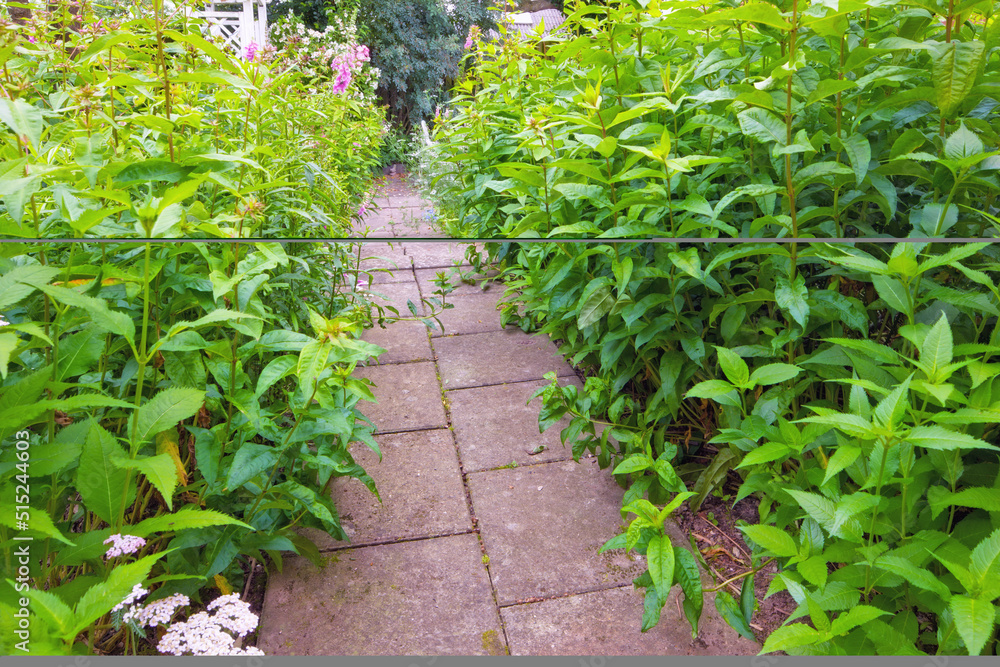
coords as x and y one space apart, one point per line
123 544
158 612
201 634
234 614
207 635
137 592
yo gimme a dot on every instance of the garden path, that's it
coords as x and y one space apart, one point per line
480 546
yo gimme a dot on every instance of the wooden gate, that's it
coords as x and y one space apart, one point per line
238 23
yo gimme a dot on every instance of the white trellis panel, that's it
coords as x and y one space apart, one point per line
238 23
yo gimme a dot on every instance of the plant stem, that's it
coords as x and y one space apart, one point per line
788 139
140 379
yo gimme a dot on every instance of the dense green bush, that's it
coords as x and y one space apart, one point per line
693 123
719 122
92 145
188 401
417 46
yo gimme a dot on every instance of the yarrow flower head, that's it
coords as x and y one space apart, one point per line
207 635
158 612
137 592
199 635
123 544
234 614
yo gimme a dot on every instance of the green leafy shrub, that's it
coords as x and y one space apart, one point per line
91 145
186 403
758 121
727 122
398 148
417 44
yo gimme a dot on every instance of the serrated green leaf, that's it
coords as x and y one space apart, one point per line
772 539
917 576
859 153
160 470
791 636
954 66
660 557
773 374
941 438
595 305
733 366
854 617
187 517
164 411
974 620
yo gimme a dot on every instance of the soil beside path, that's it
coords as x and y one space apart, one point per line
480 546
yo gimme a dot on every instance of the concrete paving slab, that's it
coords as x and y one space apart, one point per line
495 426
396 295
425 279
543 525
378 223
421 488
407 201
431 255
473 313
409 397
403 342
403 217
425 597
418 228
386 263
607 623
476 360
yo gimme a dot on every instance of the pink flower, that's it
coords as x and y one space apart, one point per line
343 80
31 39
123 544
251 51
363 53
474 34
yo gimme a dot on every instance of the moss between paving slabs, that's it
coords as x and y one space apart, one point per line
492 644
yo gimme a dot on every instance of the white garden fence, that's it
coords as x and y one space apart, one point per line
238 23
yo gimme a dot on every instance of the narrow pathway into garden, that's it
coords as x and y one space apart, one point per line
480 546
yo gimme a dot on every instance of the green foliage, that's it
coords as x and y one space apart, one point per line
417 44
847 387
200 396
652 119
398 148
152 131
